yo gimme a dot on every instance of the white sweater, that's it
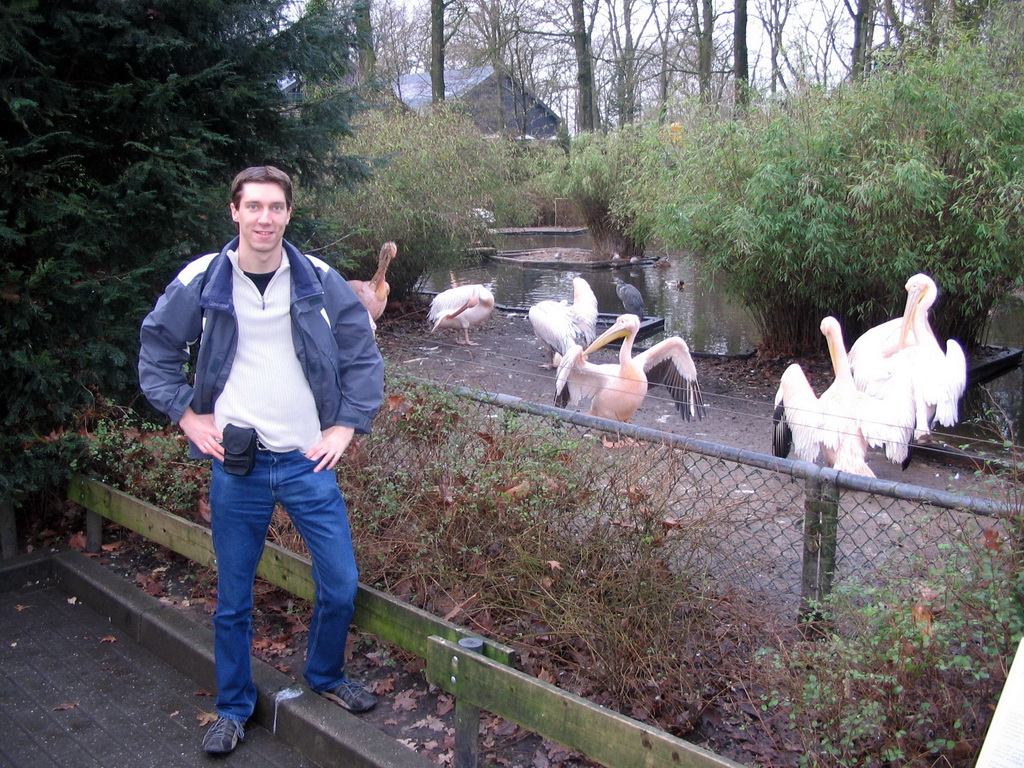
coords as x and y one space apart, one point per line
266 388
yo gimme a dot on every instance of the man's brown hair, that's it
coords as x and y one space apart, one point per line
261 174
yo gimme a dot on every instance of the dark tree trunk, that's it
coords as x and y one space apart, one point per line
741 68
863 27
437 46
705 50
585 103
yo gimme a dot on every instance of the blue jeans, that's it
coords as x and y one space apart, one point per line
241 510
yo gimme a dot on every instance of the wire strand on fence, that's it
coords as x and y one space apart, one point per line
715 403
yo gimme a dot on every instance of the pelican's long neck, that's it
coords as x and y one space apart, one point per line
626 351
378 276
837 351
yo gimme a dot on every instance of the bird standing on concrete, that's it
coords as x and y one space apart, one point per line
631 298
461 308
616 390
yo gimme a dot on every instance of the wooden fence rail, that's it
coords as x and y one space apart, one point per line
473 669
480 678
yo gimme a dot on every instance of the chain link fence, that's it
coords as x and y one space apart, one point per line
781 530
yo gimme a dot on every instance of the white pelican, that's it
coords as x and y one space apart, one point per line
902 359
462 307
843 422
618 389
875 345
374 292
560 325
630 296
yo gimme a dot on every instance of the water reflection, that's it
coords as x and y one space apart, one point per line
996 409
708 319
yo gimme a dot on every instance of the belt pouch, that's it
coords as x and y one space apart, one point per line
239 449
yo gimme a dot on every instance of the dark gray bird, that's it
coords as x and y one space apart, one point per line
630 297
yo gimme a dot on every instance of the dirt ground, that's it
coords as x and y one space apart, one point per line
738 393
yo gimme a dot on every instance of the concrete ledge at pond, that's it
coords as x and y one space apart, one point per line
310 724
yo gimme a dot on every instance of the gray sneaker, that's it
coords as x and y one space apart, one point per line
223 736
351 695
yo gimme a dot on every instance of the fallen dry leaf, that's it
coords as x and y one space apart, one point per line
406 701
386 685
430 722
20 608
206 718
65 707
554 565
517 491
108 639
991 540
445 704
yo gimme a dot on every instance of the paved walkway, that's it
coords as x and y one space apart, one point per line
95 673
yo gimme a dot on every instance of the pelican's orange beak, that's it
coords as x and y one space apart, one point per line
915 293
617 331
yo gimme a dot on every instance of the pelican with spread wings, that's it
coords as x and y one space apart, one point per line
843 422
560 324
616 390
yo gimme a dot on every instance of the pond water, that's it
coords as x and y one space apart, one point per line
712 322
708 319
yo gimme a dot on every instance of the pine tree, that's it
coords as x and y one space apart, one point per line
121 125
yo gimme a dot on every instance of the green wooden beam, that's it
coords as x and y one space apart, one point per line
602 735
377 612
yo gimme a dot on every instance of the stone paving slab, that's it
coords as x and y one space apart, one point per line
94 673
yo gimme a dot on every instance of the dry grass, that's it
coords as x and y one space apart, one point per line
616 569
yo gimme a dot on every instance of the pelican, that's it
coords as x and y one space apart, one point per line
902 359
630 296
877 344
560 325
374 292
843 422
617 390
462 307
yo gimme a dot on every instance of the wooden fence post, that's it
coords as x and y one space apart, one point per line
467 719
93 531
8 531
821 529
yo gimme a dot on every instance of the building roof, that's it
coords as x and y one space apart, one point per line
415 92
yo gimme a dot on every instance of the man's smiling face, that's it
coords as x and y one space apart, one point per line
262 216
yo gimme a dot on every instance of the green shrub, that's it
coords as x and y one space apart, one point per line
905 670
825 203
434 178
598 179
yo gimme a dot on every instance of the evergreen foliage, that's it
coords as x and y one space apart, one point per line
121 124
825 203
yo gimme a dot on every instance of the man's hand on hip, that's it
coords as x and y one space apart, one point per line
331 447
202 430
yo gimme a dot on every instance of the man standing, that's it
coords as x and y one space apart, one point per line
287 371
